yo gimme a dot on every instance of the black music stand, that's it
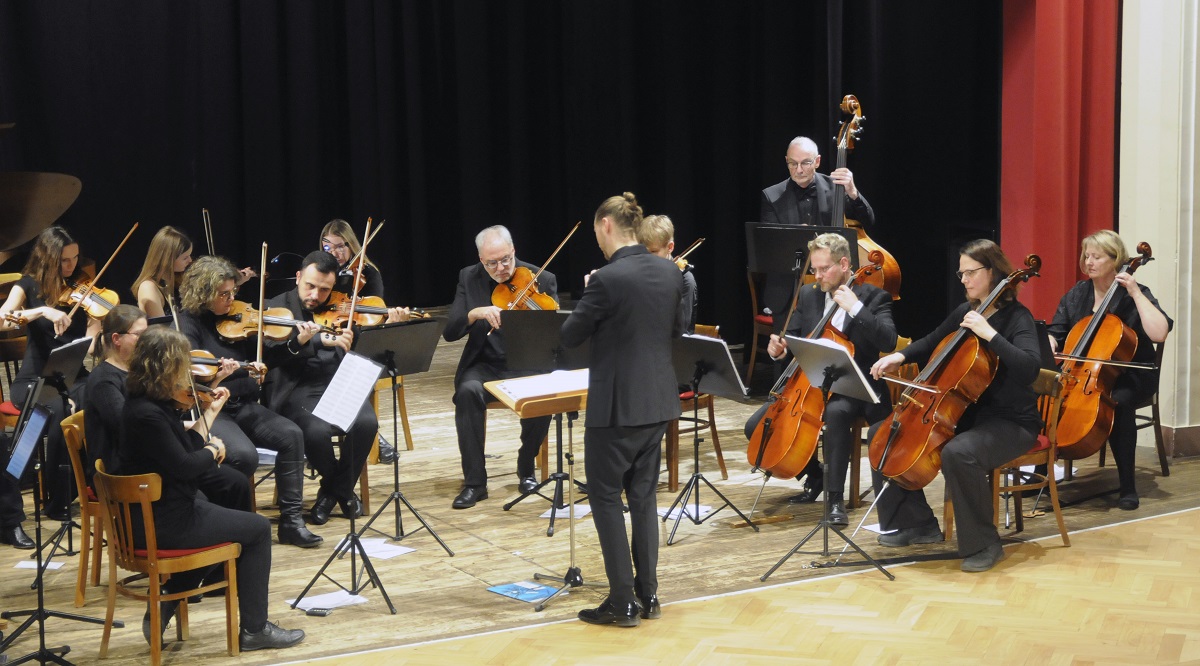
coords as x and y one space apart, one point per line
833 363
773 248
346 393
698 359
532 346
405 348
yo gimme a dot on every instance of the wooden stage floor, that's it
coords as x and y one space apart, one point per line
1130 594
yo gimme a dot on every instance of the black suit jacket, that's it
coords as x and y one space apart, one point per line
290 368
475 288
632 310
871 330
778 205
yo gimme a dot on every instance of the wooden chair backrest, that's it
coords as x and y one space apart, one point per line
72 428
119 497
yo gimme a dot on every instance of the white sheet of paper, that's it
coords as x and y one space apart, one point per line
874 527
32 564
691 510
349 388
330 600
559 381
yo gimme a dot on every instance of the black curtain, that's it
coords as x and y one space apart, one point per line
445 117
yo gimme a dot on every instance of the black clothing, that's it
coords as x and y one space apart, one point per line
12 508
691 301
373 287
102 416
631 310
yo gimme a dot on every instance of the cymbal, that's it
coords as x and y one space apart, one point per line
30 202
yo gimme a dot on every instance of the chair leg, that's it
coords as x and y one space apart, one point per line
232 625
948 519
543 457
1158 438
853 501
364 489
1062 526
408 440
673 456
712 425
753 353
112 607
97 546
85 555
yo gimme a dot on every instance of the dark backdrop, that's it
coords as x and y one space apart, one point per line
444 117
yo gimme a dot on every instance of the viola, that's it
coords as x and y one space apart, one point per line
681 259
907 448
205 366
786 438
521 290
368 311
1098 344
95 301
242 321
187 396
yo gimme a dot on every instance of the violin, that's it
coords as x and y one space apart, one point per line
887 277
188 396
521 290
368 311
681 259
242 321
786 437
1099 345
907 448
95 301
205 366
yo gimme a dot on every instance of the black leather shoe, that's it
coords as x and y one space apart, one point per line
270 638
166 611
930 533
351 508
469 496
16 537
626 615
984 559
1128 502
837 513
812 489
527 484
321 509
298 535
649 608
387 452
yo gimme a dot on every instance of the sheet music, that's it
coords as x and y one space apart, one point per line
557 382
351 384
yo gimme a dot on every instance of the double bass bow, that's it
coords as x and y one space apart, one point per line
907 446
1100 345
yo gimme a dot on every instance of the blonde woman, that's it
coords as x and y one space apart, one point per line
169 256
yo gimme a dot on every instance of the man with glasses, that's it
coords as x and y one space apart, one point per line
472 314
864 316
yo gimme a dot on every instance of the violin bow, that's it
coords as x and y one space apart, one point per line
208 234
362 257
87 291
367 239
689 250
520 295
262 293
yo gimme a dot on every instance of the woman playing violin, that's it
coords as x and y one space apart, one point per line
1101 255
657 233
1001 425
38 300
205 295
169 256
338 239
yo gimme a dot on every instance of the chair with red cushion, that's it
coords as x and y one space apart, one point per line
763 324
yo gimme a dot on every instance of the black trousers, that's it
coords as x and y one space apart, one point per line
470 420
12 509
227 487
625 459
1126 393
337 475
967 459
244 426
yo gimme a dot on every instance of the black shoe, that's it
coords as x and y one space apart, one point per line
166 612
624 616
61 514
469 496
387 452
837 513
984 559
351 508
930 533
319 515
649 608
16 537
527 484
812 489
271 637
298 535
1128 502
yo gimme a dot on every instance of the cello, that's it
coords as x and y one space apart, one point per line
1100 344
907 446
887 277
786 437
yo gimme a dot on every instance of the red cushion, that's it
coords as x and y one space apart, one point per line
764 319
1043 443
92 495
8 408
686 395
181 552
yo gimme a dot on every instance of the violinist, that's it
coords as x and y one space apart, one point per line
205 294
295 386
1101 255
472 314
657 233
865 317
339 240
40 301
154 441
169 255
1000 426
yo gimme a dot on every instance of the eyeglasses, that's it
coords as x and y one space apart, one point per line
820 270
969 272
792 164
506 260
331 248
136 334
228 293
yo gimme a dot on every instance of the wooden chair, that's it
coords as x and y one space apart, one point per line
1048 386
119 497
1152 421
690 403
763 323
906 371
91 535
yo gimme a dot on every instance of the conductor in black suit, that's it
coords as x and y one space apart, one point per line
631 309
483 360
806 197
864 315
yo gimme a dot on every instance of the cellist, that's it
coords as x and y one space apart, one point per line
1000 426
865 317
1101 255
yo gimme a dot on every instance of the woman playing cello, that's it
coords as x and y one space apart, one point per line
1101 254
1001 425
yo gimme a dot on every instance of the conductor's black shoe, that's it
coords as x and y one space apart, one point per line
1128 502
16 537
625 615
469 496
298 535
351 508
929 533
271 637
649 608
321 509
837 513
527 484
387 452
812 489
166 611
984 559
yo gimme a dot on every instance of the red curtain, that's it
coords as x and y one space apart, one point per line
1058 136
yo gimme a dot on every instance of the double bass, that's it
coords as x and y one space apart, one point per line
907 446
786 437
1100 344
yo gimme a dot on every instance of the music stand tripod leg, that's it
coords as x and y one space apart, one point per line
558 478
